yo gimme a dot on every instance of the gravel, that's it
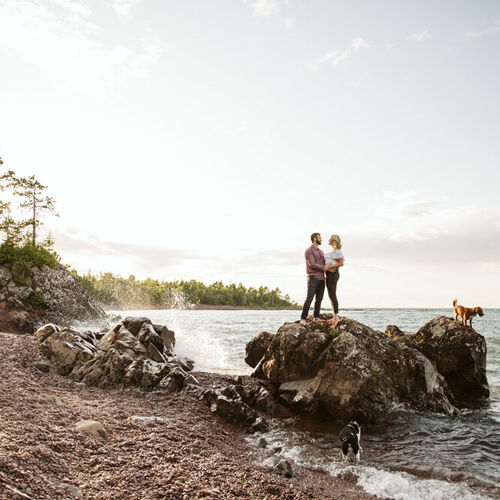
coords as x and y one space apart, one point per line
181 451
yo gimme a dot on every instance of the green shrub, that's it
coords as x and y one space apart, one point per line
37 300
20 260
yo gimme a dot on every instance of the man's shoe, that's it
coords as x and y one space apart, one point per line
303 322
317 319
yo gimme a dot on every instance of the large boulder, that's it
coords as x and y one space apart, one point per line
317 368
459 354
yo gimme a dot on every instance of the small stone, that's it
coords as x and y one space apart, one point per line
93 427
55 400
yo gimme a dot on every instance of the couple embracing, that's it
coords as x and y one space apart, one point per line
322 268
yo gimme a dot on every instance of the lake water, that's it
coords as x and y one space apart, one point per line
408 456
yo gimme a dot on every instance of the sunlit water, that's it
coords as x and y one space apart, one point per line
406 456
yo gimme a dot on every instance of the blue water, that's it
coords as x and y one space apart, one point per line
408 456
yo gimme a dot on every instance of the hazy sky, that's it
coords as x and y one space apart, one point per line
199 139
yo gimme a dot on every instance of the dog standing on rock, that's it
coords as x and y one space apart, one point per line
350 437
466 313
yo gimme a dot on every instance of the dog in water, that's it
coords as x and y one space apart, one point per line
350 437
466 313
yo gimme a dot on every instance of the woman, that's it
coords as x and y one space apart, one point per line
333 261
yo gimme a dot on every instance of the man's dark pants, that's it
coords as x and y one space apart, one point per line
314 287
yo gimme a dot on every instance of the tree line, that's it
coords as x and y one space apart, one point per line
129 293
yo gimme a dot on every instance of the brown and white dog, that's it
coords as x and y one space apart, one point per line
466 313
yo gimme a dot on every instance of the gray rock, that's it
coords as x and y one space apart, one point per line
458 353
353 367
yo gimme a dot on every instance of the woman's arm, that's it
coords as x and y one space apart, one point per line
332 268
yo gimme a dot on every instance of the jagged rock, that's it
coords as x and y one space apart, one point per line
458 353
265 402
167 335
65 348
260 425
133 354
352 367
257 347
233 411
291 353
46 331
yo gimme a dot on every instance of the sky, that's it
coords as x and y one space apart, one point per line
207 140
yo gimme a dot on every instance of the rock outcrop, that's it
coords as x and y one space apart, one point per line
459 354
315 368
135 353
54 296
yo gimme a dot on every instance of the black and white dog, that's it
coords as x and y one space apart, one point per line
350 437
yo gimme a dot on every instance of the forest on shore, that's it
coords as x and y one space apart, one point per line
114 292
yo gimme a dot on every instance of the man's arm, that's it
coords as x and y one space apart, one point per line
311 260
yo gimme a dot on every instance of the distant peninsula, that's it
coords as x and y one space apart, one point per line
112 291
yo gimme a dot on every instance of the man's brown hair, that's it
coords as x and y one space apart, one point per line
314 235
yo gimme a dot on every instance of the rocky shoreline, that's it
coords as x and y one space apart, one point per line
156 446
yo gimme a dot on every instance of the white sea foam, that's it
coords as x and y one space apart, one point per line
205 349
402 486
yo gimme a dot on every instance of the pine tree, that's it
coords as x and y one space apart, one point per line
35 203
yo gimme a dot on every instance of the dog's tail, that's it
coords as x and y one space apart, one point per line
455 302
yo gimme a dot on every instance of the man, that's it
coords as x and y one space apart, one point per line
315 269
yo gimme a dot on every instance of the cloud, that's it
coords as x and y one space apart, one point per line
491 30
58 38
234 131
262 8
406 227
420 37
289 23
75 7
123 8
336 56
405 204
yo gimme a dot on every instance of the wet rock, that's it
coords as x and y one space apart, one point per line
257 347
260 425
233 411
458 353
265 402
281 465
353 367
46 331
394 331
167 335
262 443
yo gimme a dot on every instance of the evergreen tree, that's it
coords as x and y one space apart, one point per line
34 201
